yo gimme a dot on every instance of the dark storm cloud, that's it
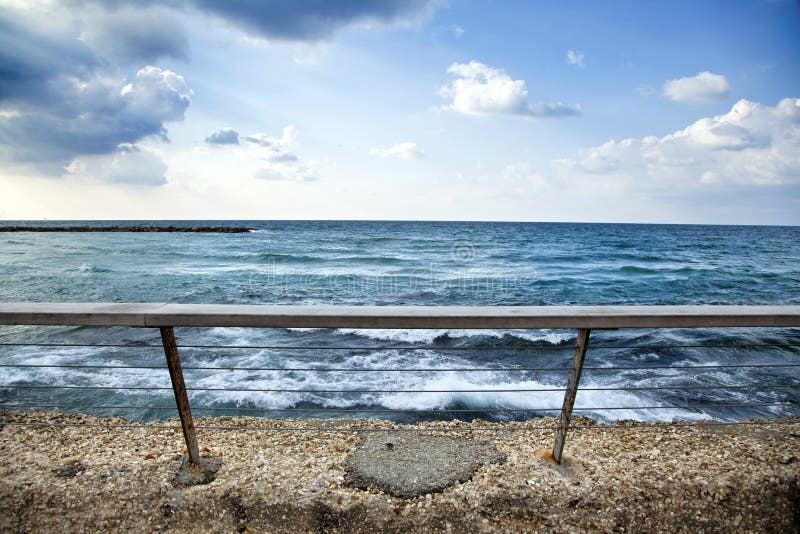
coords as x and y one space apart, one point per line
31 55
290 20
77 76
128 35
309 20
92 115
63 89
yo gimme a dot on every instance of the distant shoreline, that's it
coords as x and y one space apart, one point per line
143 229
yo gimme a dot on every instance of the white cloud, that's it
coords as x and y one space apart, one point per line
273 155
645 90
275 150
406 150
158 94
483 90
575 58
277 161
287 173
523 173
752 144
130 165
288 138
703 87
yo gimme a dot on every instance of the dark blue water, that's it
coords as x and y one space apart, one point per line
412 263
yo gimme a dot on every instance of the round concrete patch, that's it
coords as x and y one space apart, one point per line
410 464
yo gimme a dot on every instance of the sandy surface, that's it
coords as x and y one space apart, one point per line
624 478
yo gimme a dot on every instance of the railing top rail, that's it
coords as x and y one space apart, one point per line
461 317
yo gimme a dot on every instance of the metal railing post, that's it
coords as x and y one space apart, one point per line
179 388
574 380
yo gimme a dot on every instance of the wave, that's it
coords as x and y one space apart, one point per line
547 402
91 268
638 269
292 258
431 336
335 259
482 396
375 389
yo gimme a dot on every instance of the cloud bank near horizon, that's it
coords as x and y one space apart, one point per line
753 145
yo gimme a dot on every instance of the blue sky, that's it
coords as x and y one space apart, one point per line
678 112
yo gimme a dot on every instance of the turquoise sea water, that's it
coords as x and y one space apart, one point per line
411 263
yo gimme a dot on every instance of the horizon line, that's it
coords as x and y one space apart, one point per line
484 221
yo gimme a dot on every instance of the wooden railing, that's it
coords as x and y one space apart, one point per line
166 317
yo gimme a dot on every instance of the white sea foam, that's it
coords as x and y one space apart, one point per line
91 268
428 336
549 401
380 378
439 386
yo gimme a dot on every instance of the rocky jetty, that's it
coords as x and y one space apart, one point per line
187 229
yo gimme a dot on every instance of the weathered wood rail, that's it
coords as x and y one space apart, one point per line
583 318
157 315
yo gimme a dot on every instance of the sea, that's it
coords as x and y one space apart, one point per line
406 375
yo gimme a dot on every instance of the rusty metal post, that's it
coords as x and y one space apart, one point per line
179 388
572 390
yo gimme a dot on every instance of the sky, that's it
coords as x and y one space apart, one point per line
623 111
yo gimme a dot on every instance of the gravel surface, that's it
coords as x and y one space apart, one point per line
626 477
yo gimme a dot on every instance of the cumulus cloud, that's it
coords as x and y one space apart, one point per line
225 136
406 150
479 89
575 58
752 144
288 138
92 115
275 149
81 81
130 165
279 162
311 21
62 99
156 95
703 87
274 154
